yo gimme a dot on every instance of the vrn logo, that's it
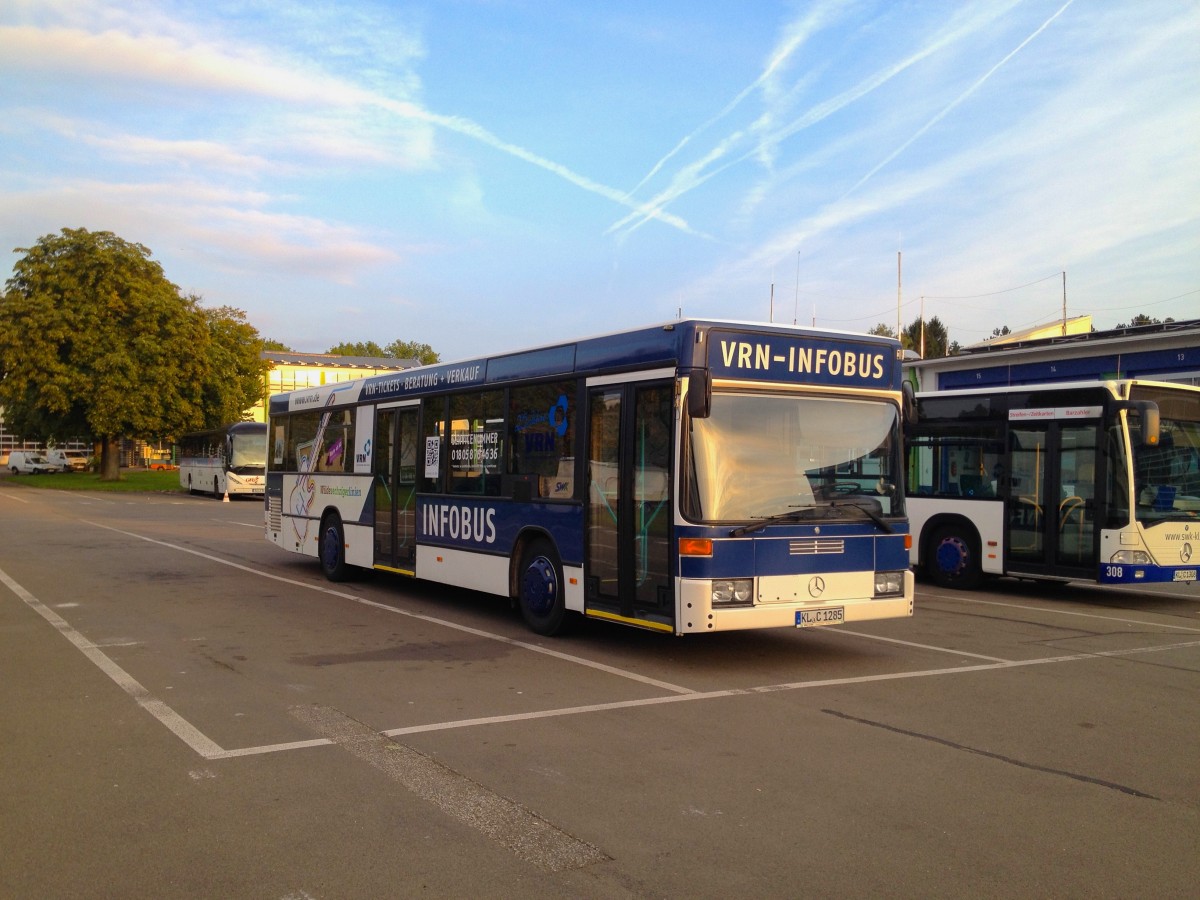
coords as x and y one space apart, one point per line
365 456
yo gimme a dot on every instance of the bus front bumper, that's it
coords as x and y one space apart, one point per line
793 601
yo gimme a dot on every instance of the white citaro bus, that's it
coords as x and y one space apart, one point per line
1091 481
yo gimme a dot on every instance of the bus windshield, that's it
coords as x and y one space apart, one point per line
1167 476
249 453
766 455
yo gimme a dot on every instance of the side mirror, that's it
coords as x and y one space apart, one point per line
699 395
908 403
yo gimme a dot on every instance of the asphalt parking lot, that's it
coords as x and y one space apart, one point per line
189 712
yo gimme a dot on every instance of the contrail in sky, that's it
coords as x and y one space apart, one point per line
801 32
688 178
959 99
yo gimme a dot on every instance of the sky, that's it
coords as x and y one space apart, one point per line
490 175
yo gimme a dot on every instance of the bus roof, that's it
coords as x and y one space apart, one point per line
1119 388
232 428
677 344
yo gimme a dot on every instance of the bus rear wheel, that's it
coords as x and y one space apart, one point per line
540 589
332 549
953 558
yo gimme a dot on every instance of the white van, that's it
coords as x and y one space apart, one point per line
29 462
68 460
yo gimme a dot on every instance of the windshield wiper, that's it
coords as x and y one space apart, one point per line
794 513
874 516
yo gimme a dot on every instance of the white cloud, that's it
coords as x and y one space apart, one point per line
194 220
135 149
243 71
167 63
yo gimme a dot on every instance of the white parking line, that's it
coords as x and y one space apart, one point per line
183 729
545 651
272 748
1061 612
209 749
876 637
771 688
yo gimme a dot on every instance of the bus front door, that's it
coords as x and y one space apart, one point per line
1052 499
395 484
628 574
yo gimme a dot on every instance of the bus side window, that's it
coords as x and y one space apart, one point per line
476 447
302 433
541 436
336 451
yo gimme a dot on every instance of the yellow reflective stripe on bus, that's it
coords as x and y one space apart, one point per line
625 620
410 572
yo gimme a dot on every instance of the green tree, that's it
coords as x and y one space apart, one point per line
96 342
236 376
361 348
422 353
936 339
883 330
1143 319
279 346
397 349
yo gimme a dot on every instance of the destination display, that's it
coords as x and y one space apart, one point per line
811 360
1057 412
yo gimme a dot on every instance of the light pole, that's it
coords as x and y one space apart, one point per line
796 311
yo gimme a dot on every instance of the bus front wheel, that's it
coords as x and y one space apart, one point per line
953 558
540 589
333 549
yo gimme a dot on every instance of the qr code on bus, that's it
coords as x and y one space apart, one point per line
432 452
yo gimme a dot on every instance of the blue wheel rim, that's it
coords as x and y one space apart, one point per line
329 548
952 556
539 586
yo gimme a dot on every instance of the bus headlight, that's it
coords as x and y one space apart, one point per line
1131 558
889 584
733 592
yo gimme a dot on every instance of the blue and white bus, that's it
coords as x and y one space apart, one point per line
1079 481
689 477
